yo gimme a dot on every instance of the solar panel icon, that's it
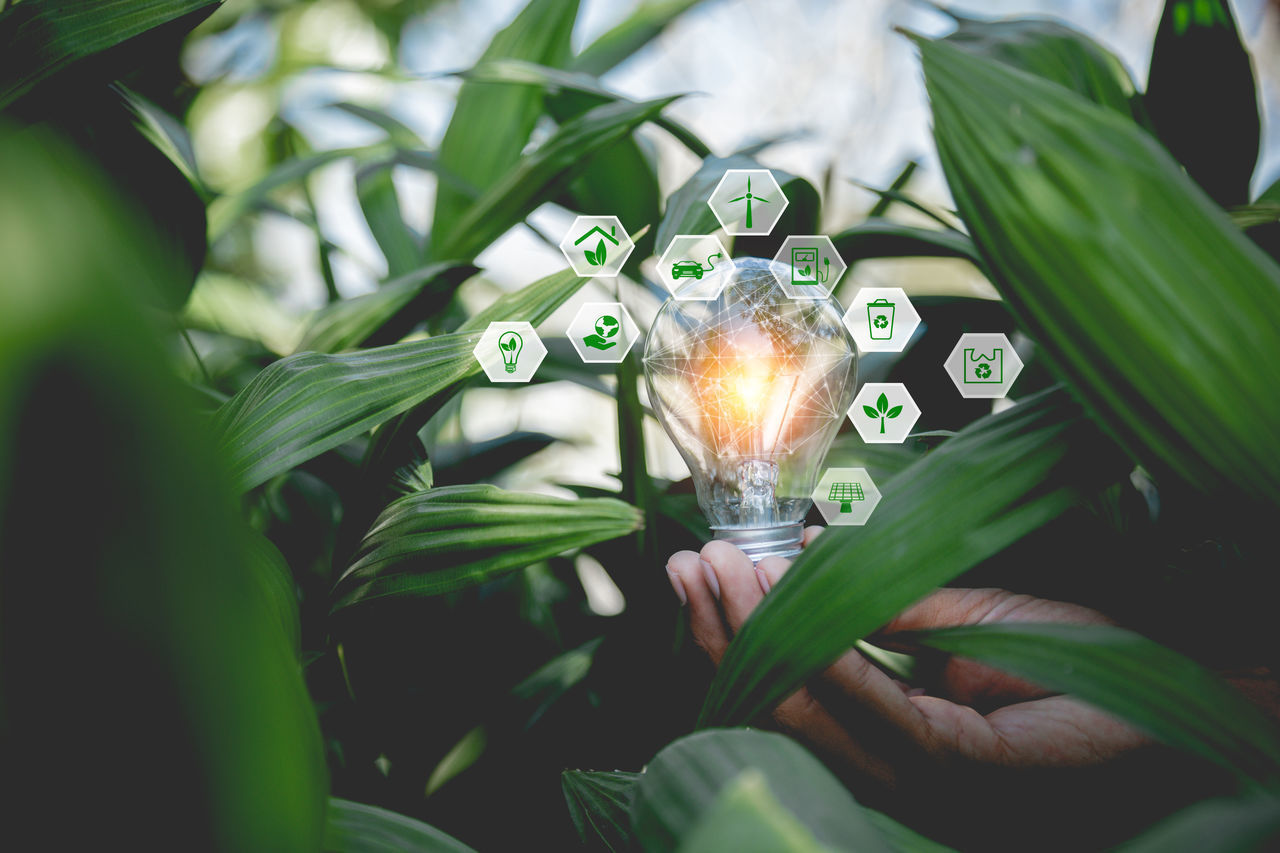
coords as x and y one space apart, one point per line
845 494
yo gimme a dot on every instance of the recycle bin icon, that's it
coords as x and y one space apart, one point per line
880 319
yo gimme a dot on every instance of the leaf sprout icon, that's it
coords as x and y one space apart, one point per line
881 321
882 411
982 371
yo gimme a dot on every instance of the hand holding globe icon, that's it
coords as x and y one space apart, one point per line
607 327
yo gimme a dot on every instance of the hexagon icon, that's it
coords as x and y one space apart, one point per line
808 267
603 332
695 266
846 496
884 413
881 319
983 364
748 201
509 352
597 246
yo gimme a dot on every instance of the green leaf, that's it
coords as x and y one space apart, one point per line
226 210
491 123
380 202
684 780
387 314
904 839
357 828
879 238
563 83
1156 308
453 537
1051 51
1167 695
600 254
746 818
1201 77
870 412
600 804
995 481
645 23
398 133
894 412
516 193
39 38
163 620
166 133
882 403
305 404
1238 825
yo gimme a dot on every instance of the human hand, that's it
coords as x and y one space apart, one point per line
964 722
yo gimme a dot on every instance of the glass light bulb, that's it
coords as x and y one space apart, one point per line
752 387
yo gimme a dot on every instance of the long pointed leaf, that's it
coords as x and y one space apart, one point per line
449 538
683 781
1146 297
358 828
1202 77
599 804
1167 695
39 38
491 123
991 484
513 196
303 405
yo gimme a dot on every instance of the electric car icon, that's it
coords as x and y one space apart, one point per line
693 269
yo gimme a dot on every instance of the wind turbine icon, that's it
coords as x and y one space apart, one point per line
748 198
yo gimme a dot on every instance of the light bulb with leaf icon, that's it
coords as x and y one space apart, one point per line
509 344
882 411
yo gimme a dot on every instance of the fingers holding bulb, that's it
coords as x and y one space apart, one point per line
732 572
705 621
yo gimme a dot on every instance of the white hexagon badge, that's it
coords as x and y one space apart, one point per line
597 246
808 267
695 266
747 201
846 496
603 332
983 364
881 319
884 413
509 352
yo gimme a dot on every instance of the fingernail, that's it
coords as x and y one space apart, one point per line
763 578
916 691
712 581
678 586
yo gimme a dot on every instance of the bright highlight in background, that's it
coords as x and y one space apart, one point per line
752 387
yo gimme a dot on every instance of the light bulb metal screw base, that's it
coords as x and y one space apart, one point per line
759 542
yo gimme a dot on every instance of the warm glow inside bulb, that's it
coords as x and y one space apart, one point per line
751 387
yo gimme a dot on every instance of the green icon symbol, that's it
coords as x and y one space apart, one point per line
880 316
748 198
509 343
601 254
881 411
981 369
845 494
606 327
693 269
804 267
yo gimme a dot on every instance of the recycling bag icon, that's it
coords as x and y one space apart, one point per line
983 369
880 319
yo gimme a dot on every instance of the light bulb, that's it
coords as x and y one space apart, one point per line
509 344
752 387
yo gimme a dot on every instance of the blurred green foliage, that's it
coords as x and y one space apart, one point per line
257 594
